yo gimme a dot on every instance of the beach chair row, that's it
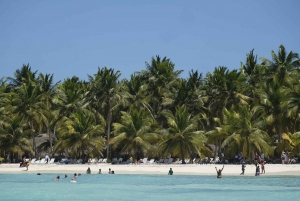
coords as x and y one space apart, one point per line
42 161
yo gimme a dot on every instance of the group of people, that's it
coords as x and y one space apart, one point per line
88 171
73 180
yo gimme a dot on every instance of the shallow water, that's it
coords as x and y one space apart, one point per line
148 187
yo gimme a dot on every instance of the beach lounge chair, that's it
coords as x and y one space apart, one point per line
104 160
170 160
152 161
197 161
145 161
37 162
52 161
100 160
43 161
160 161
33 160
120 160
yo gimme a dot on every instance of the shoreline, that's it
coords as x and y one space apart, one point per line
155 169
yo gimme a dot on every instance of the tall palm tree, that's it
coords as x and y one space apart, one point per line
27 102
282 65
49 91
160 78
224 89
245 133
272 98
106 95
137 92
254 73
182 137
135 134
22 75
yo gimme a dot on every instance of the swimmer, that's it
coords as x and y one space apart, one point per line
72 180
219 172
79 174
57 178
99 171
88 171
66 175
75 175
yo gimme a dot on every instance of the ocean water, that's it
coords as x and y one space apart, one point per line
148 187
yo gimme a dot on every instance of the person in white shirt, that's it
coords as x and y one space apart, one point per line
47 159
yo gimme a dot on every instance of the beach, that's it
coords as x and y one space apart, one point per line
179 169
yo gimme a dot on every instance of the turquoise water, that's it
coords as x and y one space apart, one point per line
149 187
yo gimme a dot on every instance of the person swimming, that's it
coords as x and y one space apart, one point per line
88 171
219 172
73 180
57 178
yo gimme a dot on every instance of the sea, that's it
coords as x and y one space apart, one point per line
148 187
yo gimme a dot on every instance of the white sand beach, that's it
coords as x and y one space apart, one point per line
183 169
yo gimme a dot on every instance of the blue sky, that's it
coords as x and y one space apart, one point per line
73 37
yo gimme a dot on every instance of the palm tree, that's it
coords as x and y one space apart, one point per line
106 95
22 75
282 65
70 96
80 134
135 134
189 93
49 91
160 78
224 89
137 92
254 73
27 102
13 137
182 137
272 98
245 133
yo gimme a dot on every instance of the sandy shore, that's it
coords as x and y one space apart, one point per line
186 169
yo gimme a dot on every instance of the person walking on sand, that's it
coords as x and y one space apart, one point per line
243 169
219 172
26 165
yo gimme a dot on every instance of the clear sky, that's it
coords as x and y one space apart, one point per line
75 37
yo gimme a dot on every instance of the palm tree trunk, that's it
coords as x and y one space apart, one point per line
50 141
182 154
108 121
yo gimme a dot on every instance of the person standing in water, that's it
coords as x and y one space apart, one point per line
219 172
170 172
257 170
88 171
